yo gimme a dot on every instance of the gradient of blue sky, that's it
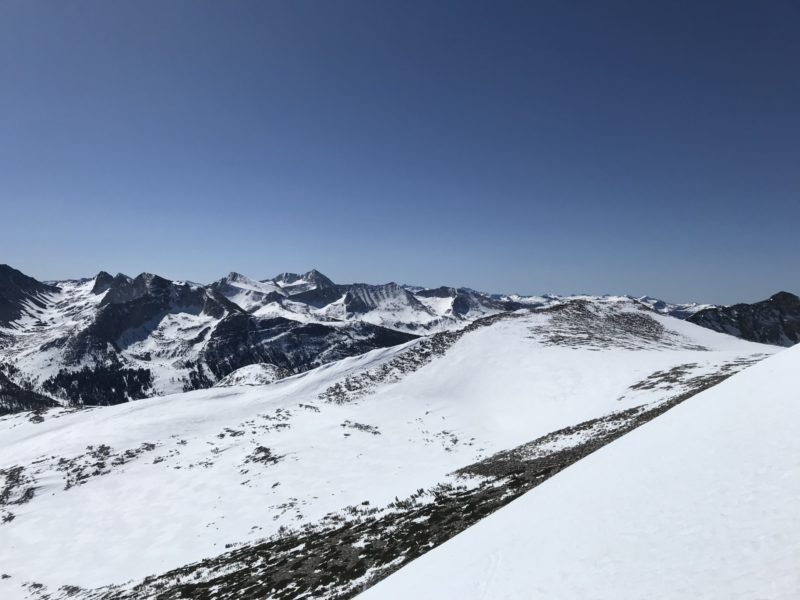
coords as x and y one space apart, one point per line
637 147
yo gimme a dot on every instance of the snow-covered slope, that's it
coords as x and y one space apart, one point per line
317 484
257 374
700 503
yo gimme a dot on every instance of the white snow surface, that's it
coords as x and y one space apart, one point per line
196 491
257 374
700 503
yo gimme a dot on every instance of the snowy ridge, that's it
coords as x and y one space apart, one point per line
699 503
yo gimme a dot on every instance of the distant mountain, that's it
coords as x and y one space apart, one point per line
681 311
465 303
110 339
772 321
292 283
248 293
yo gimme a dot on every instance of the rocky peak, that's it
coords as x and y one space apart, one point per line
102 282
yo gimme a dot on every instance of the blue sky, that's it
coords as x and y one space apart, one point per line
559 146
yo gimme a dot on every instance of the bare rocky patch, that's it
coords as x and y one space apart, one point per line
98 460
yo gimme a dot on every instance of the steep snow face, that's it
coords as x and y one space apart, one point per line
700 503
179 479
94 336
34 342
21 295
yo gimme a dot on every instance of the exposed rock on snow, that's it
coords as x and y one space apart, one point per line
320 483
700 503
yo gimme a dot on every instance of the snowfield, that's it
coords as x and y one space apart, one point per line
101 499
701 502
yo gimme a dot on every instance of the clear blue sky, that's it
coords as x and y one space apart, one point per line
627 147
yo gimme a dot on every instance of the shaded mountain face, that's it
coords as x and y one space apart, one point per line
772 321
362 298
118 338
241 339
20 294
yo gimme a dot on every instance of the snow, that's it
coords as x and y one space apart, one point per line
257 374
196 491
65 313
247 293
699 503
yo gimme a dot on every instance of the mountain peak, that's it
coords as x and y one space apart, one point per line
783 297
295 283
102 282
236 276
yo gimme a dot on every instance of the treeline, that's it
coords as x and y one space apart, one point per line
103 384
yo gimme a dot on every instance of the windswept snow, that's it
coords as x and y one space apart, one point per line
181 478
700 503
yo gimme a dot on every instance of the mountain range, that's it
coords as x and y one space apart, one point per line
110 339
